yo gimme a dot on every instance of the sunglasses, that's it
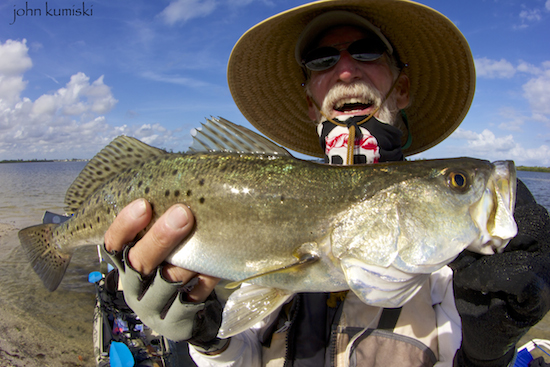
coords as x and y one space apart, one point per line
323 58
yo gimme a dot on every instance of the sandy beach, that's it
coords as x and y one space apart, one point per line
39 328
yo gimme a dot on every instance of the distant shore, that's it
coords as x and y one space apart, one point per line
533 169
42 160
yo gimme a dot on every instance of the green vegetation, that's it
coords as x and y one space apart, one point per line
533 169
40 160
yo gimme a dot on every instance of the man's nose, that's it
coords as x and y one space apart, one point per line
347 68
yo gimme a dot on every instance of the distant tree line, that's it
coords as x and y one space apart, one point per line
533 169
40 160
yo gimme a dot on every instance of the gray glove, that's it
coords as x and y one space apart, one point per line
163 306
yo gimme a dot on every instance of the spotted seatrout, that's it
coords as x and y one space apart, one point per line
287 225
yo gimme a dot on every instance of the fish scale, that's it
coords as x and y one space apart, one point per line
285 225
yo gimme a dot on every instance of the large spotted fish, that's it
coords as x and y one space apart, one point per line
286 225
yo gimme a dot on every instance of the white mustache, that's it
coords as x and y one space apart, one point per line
358 92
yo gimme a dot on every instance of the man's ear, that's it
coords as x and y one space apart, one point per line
402 91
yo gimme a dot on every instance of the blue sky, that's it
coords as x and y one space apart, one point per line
156 69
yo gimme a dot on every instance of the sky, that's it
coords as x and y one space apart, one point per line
156 69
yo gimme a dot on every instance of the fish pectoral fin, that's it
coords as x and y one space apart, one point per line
381 286
249 305
305 259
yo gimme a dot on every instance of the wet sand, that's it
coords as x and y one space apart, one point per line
38 327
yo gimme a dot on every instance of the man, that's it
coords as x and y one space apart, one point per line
396 78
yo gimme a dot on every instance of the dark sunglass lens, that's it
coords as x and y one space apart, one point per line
321 58
367 49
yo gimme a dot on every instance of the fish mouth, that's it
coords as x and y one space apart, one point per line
498 227
353 107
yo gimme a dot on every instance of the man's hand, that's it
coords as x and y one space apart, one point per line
156 291
149 252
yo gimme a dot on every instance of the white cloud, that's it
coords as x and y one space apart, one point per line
527 68
183 10
494 69
532 15
14 60
69 122
486 141
63 120
175 79
486 144
537 92
511 119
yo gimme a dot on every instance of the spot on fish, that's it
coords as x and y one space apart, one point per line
167 193
201 200
147 190
174 172
201 182
177 193
139 184
188 193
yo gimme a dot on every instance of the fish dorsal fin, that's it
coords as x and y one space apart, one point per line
220 135
122 153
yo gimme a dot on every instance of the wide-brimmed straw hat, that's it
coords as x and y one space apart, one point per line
267 82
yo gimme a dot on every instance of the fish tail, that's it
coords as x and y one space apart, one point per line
45 255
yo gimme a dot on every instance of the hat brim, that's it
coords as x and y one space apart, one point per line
266 81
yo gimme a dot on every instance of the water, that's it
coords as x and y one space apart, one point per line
39 327
539 185
56 328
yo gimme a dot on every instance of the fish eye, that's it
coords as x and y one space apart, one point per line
458 180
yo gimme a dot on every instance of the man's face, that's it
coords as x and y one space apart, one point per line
346 74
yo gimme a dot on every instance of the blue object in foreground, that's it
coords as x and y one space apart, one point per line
523 358
94 276
120 355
